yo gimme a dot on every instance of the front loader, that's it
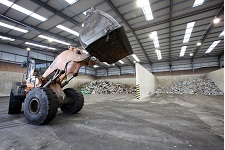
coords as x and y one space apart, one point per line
102 37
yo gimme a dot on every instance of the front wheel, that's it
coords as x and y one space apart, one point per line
40 106
76 101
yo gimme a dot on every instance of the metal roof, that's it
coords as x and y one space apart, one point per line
170 21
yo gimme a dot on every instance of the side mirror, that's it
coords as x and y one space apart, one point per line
24 64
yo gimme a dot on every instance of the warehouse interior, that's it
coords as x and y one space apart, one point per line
168 94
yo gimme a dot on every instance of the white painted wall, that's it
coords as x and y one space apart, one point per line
217 77
145 79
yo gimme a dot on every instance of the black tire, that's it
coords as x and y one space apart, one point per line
40 106
76 101
15 104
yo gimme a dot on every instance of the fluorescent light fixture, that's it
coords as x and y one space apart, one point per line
146 7
28 48
188 31
221 34
67 30
212 46
106 63
216 20
182 52
71 1
6 38
120 61
95 66
191 54
12 27
155 39
42 46
52 39
199 43
198 2
158 52
136 58
22 9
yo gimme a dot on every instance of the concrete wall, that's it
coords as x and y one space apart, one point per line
145 79
217 77
123 79
171 80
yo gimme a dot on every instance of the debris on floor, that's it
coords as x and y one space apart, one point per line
105 87
196 86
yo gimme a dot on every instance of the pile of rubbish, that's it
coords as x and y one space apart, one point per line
196 86
105 87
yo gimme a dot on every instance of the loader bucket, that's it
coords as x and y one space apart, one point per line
103 37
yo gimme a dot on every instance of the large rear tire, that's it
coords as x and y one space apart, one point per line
76 101
15 104
40 106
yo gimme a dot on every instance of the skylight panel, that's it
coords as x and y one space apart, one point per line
146 7
71 1
23 10
42 46
54 40
136 58
12 27
120 61
182 52
221 34
212 46
155 39
198 3
67 30
6 38
188 31
158 52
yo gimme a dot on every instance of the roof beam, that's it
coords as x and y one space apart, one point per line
170 25
30 27
56 12
206 32
181 16
113 7
27 40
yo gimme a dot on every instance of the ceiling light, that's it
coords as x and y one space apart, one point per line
158 52
188 31
182 52
198 2
23 10
52 39
191 54
216 20
155 39
136 58
67 30
28 48
113 64
12 27
106 63
212 46
95 66
85 12
221 34
120 61
199 43
151 36
71 1
146 7
42 46
6 38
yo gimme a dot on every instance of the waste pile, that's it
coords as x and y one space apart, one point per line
105 87
196 86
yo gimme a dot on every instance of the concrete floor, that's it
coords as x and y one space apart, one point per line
110 122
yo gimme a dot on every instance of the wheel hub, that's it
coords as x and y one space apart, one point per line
34 106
